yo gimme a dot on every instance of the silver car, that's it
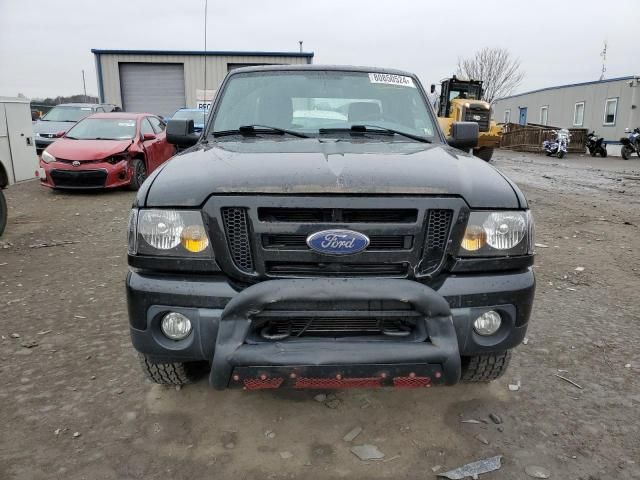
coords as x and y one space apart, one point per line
61 118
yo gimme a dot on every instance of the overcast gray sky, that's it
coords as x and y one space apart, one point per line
44 45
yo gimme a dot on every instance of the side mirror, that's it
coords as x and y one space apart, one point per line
433 88
180 132
60 134
148 136
464 135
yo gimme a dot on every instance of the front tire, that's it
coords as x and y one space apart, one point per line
139 174
176 373
485 153
603 153
560 153
486 367
3 213
626 152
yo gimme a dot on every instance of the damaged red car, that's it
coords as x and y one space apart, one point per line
106 150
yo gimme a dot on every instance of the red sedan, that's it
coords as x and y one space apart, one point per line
106 150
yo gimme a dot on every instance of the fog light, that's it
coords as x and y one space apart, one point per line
175 326
488 323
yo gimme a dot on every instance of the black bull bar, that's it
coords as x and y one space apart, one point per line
328 363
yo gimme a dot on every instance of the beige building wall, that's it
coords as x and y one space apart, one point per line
108 71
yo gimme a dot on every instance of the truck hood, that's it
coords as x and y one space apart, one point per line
311 166
86 149
51 127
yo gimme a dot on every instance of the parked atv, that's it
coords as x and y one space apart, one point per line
630 143
596 145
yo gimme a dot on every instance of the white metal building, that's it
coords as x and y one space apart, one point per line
606 106
160 82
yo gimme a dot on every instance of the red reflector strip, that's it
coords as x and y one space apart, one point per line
257 383
370 382
411 382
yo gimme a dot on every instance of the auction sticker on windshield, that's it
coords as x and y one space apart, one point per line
390 79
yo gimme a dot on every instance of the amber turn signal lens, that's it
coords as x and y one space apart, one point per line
194 238
474 238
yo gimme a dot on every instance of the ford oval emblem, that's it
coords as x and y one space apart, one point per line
338 242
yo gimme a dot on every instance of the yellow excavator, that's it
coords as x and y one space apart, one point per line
461 101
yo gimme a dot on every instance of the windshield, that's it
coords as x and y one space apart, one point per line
471 92
67 114
308 101
103 129
199 117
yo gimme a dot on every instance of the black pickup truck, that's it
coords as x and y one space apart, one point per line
321 232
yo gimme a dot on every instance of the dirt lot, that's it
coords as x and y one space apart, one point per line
82 376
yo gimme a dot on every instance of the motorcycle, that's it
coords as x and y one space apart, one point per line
558 146
596 145
630 143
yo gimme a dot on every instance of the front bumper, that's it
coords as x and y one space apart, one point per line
221 319
88 175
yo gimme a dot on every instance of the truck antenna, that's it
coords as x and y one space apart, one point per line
205 51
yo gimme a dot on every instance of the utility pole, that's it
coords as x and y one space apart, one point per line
300 42
84 86
603 54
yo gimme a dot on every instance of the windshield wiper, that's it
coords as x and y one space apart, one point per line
71 138
374 129
253 129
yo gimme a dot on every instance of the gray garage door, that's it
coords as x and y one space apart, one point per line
152 87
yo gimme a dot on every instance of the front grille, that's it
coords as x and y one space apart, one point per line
265 236
328 269
83 162
337 215
318 326
438 227
79 179
237 228
480 116
299 242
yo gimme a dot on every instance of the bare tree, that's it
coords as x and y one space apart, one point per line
499 72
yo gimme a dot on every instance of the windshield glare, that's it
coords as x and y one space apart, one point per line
307 101
198 117
103 129
67 114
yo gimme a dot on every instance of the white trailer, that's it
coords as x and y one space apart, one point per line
18 159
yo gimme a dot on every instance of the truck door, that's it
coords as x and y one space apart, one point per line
20 134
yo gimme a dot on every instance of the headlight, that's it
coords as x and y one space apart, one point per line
114 159
168 233
503 233
47 157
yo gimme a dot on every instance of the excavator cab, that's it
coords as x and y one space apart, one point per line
453 88
461 101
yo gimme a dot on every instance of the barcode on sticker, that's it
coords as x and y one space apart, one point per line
390 79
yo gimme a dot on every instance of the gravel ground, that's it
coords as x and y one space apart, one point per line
75 405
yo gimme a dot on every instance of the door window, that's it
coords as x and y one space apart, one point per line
146 127
157 124
507 116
